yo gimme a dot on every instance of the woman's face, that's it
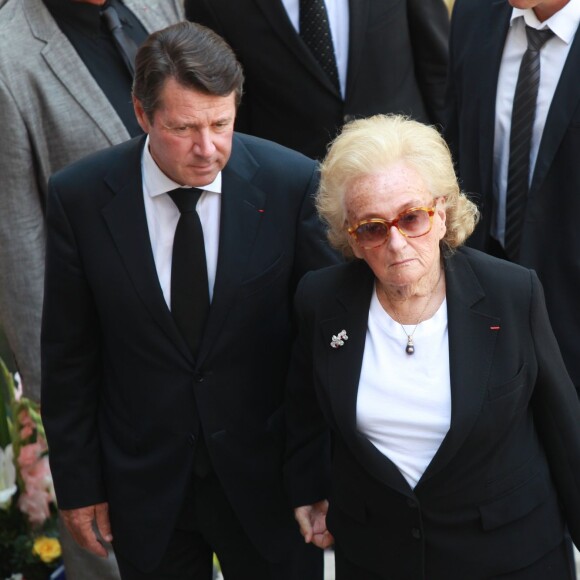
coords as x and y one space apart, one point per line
400 261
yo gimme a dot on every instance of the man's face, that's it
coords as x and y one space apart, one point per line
190 135
542 8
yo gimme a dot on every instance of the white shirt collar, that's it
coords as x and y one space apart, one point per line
563 23
158 183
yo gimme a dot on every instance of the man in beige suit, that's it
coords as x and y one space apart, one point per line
57 104
52 112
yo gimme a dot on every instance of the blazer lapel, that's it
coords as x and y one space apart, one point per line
471 347
68 67
495 27
275 13
239 222
564 104
344 367
127 222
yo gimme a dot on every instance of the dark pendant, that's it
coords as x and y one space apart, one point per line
410 346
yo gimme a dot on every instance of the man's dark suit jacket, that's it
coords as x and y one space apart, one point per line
551 240
504 482
397 64
121 392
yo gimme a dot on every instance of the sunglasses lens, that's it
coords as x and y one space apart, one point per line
414 223
371 234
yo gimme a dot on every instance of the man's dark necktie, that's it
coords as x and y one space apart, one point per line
125 44
523 113
189 285
315 32
190 290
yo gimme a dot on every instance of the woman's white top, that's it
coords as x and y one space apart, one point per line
404 401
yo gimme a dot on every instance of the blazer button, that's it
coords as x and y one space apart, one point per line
416 533
348 118
412 503
192 438
199 378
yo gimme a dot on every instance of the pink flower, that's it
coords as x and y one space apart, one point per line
37 476
38 493
35 505
26 432
27 424
29 455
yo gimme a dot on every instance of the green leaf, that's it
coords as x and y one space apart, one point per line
6 400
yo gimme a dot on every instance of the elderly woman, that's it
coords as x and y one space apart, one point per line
455 427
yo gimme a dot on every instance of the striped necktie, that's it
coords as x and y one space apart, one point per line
523 113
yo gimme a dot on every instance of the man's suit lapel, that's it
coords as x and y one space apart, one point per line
126 219
358 26
242 208
564 104
241 214
275 13
472 338
67 66
495 25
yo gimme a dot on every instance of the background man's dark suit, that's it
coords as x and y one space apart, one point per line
120 409
397 64
494 498
551 240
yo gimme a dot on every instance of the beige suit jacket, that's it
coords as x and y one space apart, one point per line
52 112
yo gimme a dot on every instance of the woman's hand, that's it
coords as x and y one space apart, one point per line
312 522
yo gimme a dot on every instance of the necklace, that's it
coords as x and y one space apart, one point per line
410 348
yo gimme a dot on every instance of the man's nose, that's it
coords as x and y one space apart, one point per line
203 144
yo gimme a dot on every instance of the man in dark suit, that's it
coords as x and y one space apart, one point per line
391 57
488 41
174 446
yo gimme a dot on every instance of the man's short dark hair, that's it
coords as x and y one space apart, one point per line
193 55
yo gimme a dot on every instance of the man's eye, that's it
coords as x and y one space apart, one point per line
181 131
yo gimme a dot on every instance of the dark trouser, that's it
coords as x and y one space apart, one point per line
208 524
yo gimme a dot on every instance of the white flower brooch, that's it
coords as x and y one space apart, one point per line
338 339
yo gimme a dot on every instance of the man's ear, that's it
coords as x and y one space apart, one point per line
142 117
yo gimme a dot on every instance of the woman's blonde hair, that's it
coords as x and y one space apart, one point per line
367 146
